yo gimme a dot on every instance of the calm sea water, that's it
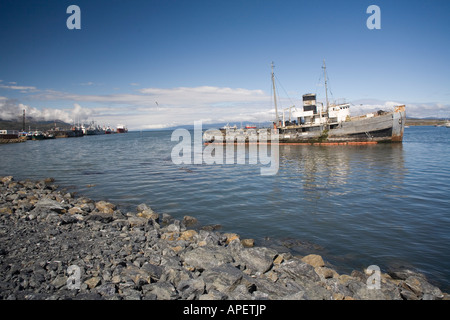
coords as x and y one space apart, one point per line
386 205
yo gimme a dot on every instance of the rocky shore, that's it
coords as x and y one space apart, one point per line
54 245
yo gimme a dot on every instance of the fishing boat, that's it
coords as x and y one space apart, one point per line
76 131
94 129
121 129
37 135
331 123
108 130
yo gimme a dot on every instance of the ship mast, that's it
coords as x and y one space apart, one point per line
325 76
274 97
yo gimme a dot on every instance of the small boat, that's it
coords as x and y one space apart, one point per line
121 129
108 130
94 129
37 135
49 135
228 127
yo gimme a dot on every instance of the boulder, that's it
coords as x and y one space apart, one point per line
206 257
163 290
47 204
248 243
105 207
297 270
422 289
191 289
230 237
189 221
153 271
188 235
314 260
137 221
149 215
257 259
7 179
225 278
93 282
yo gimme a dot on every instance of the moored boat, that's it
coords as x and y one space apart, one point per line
9 134
94 129
121 129
326 124
108 130
37 135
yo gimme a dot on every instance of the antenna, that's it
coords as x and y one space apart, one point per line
325 75
274 96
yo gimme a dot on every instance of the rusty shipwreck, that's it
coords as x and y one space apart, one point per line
322 123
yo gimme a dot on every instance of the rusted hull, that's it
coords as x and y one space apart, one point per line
386 127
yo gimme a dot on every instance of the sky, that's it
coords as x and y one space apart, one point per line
157 64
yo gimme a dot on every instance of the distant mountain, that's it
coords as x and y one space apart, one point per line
32 125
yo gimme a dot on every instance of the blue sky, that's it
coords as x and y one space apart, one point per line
151 64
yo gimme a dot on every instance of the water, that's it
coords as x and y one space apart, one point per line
386 205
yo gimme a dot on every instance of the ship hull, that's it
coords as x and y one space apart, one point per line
387 127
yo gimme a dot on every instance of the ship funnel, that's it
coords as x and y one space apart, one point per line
309 102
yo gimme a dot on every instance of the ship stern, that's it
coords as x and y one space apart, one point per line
399 120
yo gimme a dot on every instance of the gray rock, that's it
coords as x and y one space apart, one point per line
191 289
421 287
213 295
408 295
189 221
154 271
142 207
210 238
163 290
131 294
297 270
166 218
258 259
241 292
225 278
206 257
46 204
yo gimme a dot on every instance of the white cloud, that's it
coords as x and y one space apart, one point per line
413 110
156 107
11 110
23 88
203 95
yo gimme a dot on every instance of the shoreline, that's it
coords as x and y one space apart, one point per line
144 255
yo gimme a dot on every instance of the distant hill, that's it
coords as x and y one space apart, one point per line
32 125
